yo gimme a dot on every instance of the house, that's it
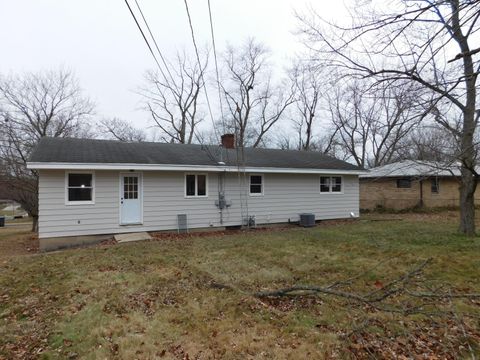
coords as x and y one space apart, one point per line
98 187
408 184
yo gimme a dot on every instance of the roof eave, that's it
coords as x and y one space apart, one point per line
369 176
173 167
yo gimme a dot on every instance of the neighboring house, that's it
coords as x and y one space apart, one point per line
408 184
11 209
92 187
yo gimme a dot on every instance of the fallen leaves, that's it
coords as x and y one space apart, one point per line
176 297
429 339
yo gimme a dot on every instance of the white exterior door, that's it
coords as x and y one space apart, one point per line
130 199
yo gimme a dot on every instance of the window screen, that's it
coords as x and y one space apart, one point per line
80 187
256 184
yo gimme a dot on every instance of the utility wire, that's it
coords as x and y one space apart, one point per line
200 65
216 65
212 32
155 42
210 155
145 39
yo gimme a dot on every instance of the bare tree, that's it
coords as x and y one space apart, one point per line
371 122
408 40
253 103
308 87
173 98
429 143
35 105
119 129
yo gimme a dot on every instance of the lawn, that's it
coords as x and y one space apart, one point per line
6 209
194 297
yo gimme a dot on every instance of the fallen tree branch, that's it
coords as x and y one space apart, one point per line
315 289
374 299
443 296
386 291
393 287
358 276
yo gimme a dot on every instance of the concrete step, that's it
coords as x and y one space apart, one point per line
123 238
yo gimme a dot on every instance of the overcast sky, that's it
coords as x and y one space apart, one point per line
99 41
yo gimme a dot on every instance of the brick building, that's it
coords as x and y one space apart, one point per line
408 184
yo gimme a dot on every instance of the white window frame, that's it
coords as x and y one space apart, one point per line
196 186
82 202
250 183
330 187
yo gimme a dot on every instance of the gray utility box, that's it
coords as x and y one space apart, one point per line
307 220
182 223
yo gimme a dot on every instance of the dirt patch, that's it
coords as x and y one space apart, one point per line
447 215
215 233
286 304
17 239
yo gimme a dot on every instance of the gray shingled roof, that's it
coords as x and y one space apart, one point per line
412 168
77 151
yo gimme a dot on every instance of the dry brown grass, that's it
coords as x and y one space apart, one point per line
166 299
16 239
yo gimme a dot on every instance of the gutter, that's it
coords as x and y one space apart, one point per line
170 167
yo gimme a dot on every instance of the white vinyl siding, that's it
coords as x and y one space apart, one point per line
164 198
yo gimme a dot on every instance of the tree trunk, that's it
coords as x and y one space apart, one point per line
467 203
35 223
468 183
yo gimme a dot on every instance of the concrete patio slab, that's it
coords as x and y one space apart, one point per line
140 236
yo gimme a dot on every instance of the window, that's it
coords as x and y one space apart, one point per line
130 187
256 184
79 188
336 184
404 183
201 185
190 185
195 185
435 186
330 184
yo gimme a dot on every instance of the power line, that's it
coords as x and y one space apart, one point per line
200 66
145 39
212 32
212 157
216 65
154 41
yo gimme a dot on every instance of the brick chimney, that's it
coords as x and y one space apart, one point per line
228 141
